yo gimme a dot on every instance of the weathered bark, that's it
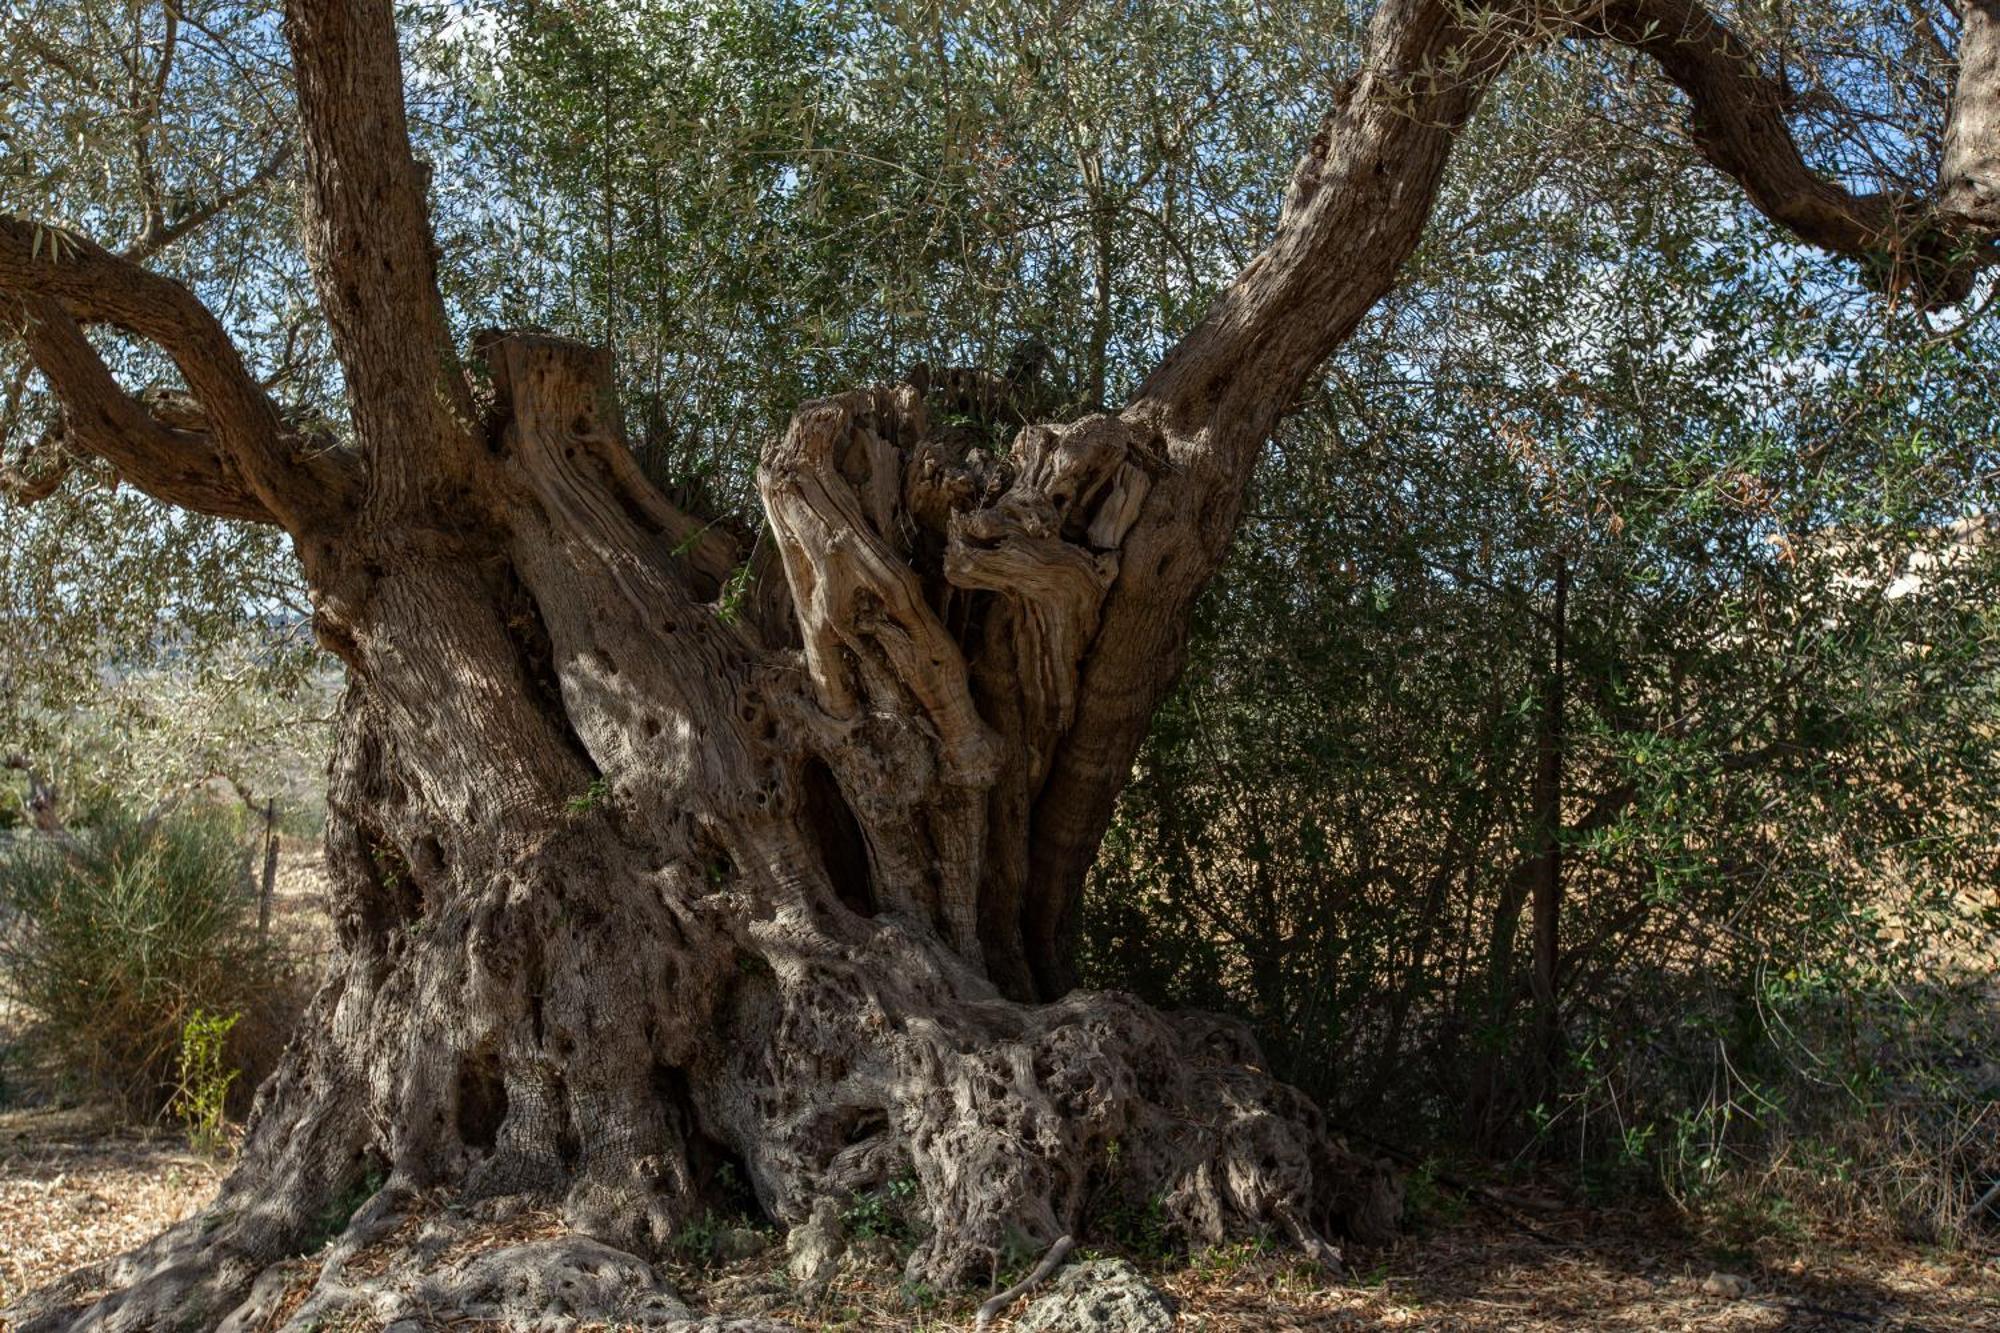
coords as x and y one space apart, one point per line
638 872
647 893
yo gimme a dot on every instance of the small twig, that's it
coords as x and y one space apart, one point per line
1986 1200
1050 1261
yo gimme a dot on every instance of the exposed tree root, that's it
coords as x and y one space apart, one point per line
996 1306
841 1062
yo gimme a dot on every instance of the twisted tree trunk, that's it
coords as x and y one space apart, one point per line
651 854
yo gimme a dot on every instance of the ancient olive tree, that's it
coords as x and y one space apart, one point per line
654 853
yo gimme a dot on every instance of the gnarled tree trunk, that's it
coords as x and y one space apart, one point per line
651 854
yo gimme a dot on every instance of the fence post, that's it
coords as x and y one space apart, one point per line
270 867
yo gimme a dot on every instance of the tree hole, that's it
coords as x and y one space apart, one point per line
482 1102
843 848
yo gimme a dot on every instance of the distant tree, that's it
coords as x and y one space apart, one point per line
656 847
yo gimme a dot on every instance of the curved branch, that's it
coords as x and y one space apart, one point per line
182 467
250 466
1358 204
1738 123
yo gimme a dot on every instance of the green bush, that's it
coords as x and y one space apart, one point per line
113 939
202 1094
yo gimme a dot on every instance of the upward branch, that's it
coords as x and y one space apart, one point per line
1358 204
368 237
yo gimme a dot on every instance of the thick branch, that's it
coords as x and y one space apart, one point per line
368 236
252 466
181 467
1969 177
898 727
1739 124
1357 207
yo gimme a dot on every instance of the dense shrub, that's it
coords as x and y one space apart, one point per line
113 937
1688 609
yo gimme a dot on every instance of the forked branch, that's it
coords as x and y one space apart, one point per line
243 460
1931 247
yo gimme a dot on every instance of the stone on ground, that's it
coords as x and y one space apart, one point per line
1100 1296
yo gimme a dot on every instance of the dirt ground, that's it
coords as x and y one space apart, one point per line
74 1188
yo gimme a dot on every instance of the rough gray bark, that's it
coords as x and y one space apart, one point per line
636 876
1969 174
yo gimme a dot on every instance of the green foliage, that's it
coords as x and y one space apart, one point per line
205 1076
1140 1227
593 796
118 940
698 1239
1225 1263
729 606
756 204
892 1210
1769 505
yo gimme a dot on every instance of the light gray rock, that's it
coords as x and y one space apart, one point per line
1100 1296
812 1250
739 1243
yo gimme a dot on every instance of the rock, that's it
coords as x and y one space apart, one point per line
739 1243
874 1252
1101 1296
1726 1285
813 1248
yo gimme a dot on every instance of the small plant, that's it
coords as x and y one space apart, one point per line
205 1077
1429 1200
1145 1230
883 1212
596 794
729 606
699 1240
